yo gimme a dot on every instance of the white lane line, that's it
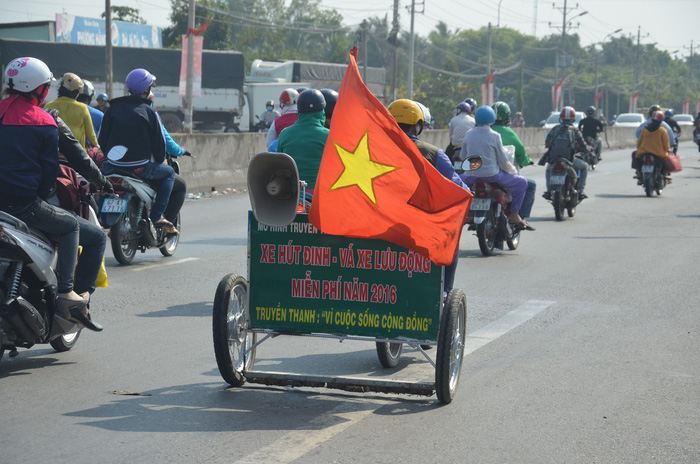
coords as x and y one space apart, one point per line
296 443
293 445
167 263
505 324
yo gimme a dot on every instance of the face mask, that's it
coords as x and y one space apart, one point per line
269 108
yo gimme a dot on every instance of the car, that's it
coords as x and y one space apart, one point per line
553 119
629 120
684 119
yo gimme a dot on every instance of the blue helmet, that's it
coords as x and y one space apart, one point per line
668 113
139 80
103 96
484 116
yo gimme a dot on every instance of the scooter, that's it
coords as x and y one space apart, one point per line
563 188
29 292
488 215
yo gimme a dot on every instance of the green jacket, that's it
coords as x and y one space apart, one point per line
304 141
509 137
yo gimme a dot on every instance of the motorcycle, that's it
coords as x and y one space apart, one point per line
563 187
488 215
126 215
28 291
653 174
592 158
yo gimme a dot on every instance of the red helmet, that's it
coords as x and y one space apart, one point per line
568 114
658 116
288 97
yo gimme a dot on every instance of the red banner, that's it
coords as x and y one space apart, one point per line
197 72
597 97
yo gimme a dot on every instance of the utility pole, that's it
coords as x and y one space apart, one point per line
562 45
689 82
410 52
108 49
488 62
364 50
394 40
187 126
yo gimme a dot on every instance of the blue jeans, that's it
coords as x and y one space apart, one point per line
61 227
529 199
151 171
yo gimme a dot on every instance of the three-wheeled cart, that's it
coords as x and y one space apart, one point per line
302 282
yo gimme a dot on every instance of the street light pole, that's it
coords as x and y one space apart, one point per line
410 52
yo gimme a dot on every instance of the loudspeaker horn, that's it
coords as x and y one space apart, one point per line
273 188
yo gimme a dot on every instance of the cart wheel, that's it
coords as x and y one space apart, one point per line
450 349
389 353
231 330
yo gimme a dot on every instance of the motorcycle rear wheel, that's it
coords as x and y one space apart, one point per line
65 342
513 240
169 247
486 233
559 205
123 235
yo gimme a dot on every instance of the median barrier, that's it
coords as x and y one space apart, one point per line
222 159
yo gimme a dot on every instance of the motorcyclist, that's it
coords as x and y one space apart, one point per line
85 96
652 140
410 118
496 166
590 127
132 138
102 102
179 192
288 107
29 166
518 120
472 104
331 97
671 136
306 138
459 125
75 114
509 137
269 115
566 130
668 118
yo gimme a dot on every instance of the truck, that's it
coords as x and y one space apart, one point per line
219 106
267 80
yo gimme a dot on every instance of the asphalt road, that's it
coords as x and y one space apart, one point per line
582 348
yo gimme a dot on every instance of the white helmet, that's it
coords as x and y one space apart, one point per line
26 74
87 89
288 97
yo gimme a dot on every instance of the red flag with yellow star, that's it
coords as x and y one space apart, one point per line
374 183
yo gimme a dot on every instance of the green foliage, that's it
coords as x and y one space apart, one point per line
449 66
126 14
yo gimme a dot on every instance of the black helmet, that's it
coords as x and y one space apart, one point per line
590 111
654 108
310 100
331 97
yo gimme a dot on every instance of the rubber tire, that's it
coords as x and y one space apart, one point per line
648 186
169 247
65 342
230 316
125 226
559 205
389 353
451 340
513 239
487 244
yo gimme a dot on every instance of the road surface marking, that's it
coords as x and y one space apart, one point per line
167 263
502 326
297 443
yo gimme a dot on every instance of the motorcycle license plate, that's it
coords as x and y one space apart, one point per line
480 204
647 168
557 180
114 205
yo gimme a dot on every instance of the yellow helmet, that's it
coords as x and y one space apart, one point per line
405 111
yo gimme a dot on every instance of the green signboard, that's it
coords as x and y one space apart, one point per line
302 280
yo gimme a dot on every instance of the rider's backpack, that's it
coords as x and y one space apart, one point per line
562 144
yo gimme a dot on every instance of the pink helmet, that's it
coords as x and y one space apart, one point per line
288 97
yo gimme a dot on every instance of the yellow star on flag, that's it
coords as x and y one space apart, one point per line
359 169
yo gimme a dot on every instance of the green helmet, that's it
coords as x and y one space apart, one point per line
502 111
654 108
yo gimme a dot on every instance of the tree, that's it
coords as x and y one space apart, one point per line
218 33
126 14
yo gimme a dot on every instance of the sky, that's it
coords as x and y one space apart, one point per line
671 24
